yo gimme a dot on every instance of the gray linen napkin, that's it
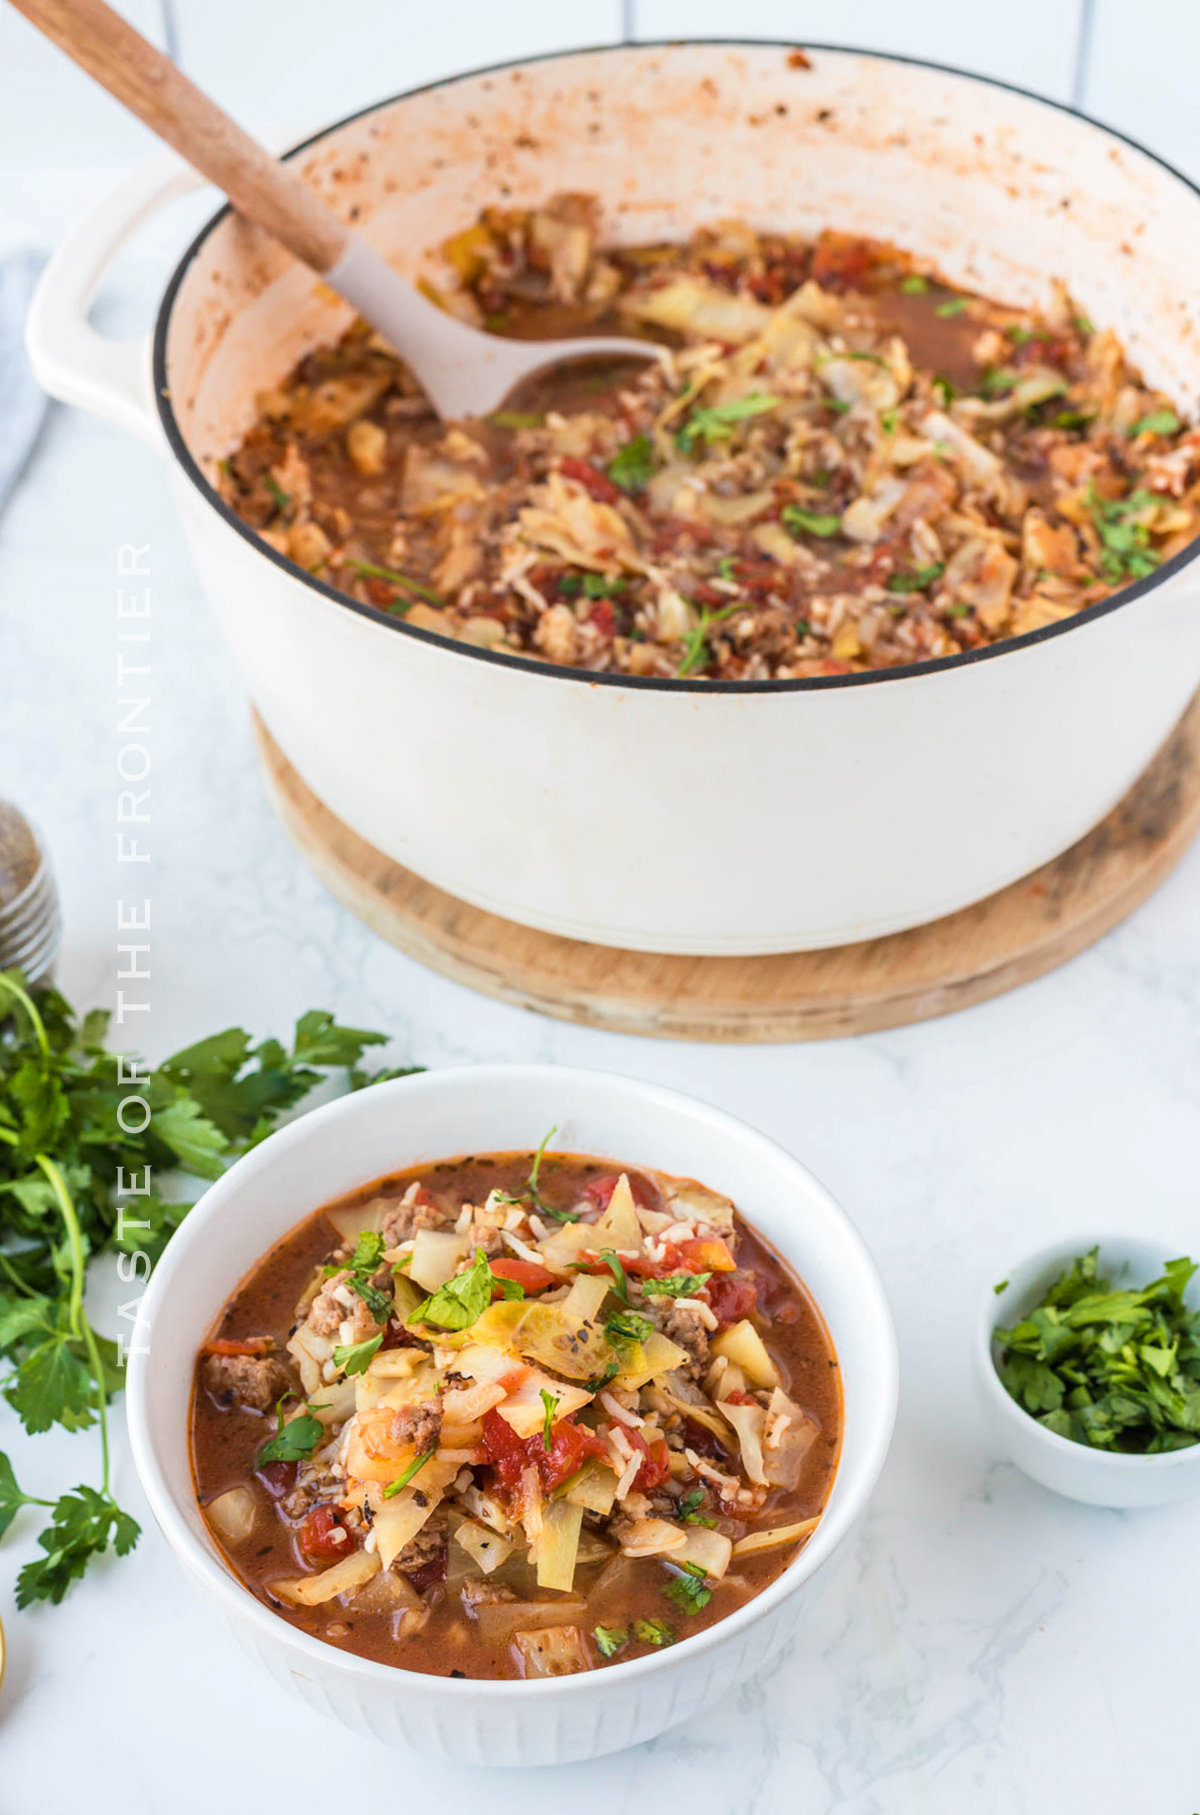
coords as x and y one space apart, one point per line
22 401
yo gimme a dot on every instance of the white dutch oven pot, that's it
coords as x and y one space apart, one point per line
680 816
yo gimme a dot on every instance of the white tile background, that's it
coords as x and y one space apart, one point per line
1131 62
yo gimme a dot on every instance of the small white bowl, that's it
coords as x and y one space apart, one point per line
481 1109
1065 1467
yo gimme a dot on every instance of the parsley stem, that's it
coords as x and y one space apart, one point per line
35 1020
80 1327
7 1265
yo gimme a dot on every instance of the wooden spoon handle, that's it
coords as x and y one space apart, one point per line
149 84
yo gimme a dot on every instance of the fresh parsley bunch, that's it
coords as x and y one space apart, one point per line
1116 1370
62 1151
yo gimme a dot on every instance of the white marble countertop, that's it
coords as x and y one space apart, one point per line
982 1645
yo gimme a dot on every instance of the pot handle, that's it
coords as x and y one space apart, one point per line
69 357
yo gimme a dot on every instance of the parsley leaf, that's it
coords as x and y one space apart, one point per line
612 1261
11 1497
83 1526
356 1357
550 1405
688 1590
534 1186
654 1632
695 643
610 1639
281 499
916 580
717 423
62 1151
363 1266
462 1301
632 465
914 285
689 1508
810 522
294 1440
599 1381
675 1285
628 1326
1126 552
1158 422
956 306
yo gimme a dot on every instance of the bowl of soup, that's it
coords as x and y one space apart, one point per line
878 599
509 1412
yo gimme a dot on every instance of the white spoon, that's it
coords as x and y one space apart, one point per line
463 371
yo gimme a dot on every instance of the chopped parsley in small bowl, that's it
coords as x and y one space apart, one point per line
1087 1364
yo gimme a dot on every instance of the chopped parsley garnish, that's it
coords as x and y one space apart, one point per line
462 1301
282 500
917 578
838 407
725 567
550 1405
612 1261
996 380
1127 554
1158 422
592 585
356 1357
810 522
293 1441
688 1590
402 1480
1073 419
632 465
1117 1370
534 1190
956 306
946 391
364 1264
654 1632
516 419
689 1508
628 1326
675 1285
610 1639
695 643
915 285
889 421
1084 325
599 1381
371 570
717 423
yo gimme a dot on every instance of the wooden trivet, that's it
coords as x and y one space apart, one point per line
1011 938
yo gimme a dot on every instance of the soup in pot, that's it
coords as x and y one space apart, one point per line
845 464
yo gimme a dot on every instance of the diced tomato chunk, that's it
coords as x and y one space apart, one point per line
570 1445
732 1296
739 1397
248 1345
604 617
525 1273
706 1254
657 1465
323 1538
599 1190
591 478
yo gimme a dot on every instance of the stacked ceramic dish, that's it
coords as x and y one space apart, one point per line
30 922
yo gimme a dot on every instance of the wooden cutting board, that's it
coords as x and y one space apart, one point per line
1011 938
